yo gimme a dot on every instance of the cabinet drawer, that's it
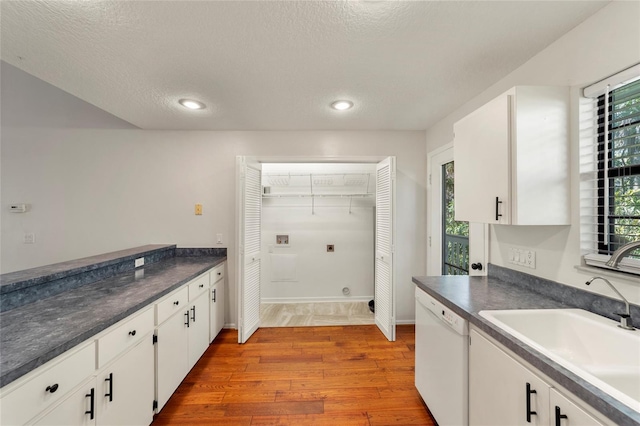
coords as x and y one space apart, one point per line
217 273
175 302
35 394
198 286
124 335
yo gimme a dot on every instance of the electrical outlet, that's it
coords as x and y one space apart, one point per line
139 262
199 209
29 238
522 257
530 259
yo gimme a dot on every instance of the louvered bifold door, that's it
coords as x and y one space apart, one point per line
249 264
384 277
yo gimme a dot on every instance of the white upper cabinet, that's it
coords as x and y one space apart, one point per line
512 159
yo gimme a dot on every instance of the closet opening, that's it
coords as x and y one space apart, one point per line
317 244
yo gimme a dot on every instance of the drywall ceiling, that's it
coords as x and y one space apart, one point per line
277 65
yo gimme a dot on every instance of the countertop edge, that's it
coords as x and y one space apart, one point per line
596 398
15 282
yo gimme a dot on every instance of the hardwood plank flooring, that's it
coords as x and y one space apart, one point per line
333 375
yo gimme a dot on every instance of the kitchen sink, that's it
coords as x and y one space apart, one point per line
589 345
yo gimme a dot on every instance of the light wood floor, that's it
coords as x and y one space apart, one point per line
338 376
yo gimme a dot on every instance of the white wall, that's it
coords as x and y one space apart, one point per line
307 272
604 44
319 275
95 190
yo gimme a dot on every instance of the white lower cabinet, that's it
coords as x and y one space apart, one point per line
502 391
125 391
119 393
112 378
565 412
198 328
172 362
216 299
183 330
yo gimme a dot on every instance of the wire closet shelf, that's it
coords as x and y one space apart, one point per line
318 185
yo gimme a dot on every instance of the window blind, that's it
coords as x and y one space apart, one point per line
610 170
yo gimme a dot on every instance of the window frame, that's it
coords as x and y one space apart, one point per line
606 172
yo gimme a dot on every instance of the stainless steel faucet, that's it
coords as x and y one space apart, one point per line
622 252
625 319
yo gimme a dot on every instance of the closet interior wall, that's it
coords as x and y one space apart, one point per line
306 208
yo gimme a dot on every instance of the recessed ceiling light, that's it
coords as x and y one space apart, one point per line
191 104
342 105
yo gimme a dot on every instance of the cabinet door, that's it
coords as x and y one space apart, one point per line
198 328
575 416
498 391
79 408
125 387
216 309
171 356
482 157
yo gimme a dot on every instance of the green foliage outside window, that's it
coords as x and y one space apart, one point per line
452 227
625 163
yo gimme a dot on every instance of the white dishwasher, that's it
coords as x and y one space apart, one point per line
442 359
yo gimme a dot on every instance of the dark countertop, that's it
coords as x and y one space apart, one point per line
467 296
37 332
26 278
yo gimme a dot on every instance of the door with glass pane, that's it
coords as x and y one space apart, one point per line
453 246
455 234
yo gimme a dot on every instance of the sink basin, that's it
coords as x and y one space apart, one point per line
591 346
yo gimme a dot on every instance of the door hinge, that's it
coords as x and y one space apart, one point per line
429 241
393 248
155 404
155 339
429 178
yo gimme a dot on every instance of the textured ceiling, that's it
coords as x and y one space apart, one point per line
270 65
